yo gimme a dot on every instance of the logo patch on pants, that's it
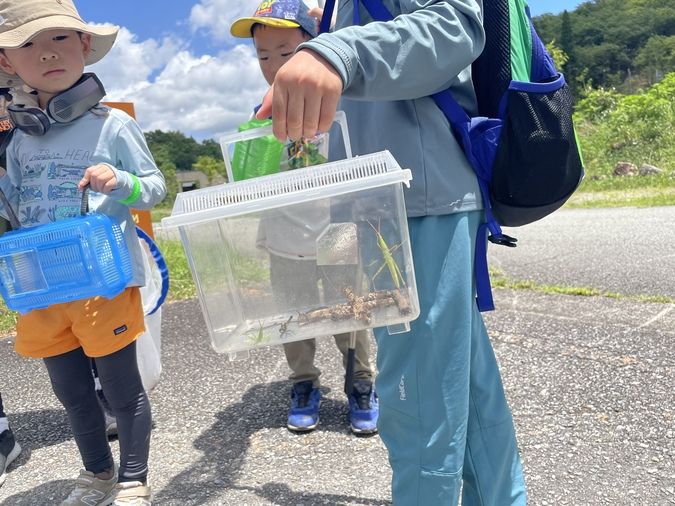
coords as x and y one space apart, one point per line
121 329
401 389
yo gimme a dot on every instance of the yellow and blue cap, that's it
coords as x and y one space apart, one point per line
279 14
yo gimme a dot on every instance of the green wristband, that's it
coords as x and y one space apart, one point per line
135 192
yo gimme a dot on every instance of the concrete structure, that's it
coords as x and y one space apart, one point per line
194 179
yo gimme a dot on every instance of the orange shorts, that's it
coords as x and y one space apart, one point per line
100 326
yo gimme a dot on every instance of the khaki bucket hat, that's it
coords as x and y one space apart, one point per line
21 20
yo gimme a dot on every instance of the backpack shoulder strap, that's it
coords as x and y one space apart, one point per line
327 16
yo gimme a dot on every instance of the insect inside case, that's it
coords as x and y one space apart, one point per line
358 245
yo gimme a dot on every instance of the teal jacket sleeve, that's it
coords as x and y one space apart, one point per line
140 184
418 53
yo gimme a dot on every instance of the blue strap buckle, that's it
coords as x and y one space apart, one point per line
503 240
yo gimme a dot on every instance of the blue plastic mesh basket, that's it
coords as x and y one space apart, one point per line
67 260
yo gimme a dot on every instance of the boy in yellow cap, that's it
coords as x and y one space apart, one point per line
277 28
66 143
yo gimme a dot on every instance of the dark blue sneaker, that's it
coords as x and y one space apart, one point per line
364 408
305 401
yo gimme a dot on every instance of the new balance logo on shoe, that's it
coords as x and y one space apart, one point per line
92 497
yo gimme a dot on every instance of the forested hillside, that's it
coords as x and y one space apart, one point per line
620 63
174 151
625 44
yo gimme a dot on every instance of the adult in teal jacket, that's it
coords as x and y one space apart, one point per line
443 413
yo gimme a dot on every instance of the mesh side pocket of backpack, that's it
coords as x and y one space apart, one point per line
537 165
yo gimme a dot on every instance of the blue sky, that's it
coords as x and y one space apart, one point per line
179 65
538 7
150 19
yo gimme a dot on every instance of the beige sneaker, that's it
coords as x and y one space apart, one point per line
132 493
91 491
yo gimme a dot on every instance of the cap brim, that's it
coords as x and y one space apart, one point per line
242 27
102 40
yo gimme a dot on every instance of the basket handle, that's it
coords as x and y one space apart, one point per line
84 204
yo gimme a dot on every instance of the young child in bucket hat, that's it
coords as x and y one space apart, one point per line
277 28
65 144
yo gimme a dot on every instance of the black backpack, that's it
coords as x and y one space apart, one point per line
522 145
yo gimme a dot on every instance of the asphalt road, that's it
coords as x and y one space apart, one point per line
590 381
626 250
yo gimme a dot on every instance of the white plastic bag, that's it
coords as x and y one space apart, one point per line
149 350
149 344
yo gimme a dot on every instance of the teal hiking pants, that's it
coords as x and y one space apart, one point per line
443 415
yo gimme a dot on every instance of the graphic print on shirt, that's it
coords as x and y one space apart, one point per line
49 185
31 215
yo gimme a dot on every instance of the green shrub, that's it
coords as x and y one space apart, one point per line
639 129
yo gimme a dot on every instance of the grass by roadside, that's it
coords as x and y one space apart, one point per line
181 285
611 191
499 280
160 212
7 320
643 197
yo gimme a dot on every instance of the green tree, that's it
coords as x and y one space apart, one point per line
211 148
209 166
567 46
183 151
639 128
604 63
657 57
610 41
559 56
165 163
596 105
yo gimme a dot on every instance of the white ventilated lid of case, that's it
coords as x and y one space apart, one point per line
286 188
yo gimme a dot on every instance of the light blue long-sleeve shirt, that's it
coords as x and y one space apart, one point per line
388 70
43 173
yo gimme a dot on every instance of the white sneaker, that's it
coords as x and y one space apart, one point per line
91 491
132 493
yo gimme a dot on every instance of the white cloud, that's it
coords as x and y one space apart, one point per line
130 62
172 89
216 16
